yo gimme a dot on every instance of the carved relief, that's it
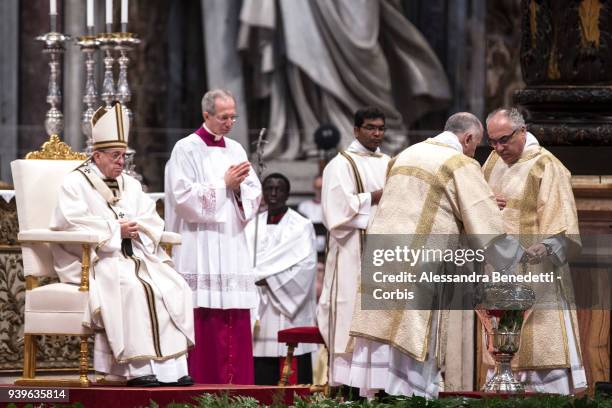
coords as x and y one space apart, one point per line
12 295
9 226
564 55
566 42
55 149
578 96
576 134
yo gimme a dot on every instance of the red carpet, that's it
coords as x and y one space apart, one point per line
128 397
481 394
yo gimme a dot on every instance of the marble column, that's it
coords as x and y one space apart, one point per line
9 75
223 64
475 92
74 74
456 52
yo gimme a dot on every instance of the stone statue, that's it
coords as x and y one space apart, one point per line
314 62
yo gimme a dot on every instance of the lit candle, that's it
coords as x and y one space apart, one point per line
124 11
53 15
90 14
109 15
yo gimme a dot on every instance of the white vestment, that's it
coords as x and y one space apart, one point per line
211 219
314 212
346 212
138 305
287 260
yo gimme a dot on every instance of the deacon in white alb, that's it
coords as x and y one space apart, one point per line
352 187
139 306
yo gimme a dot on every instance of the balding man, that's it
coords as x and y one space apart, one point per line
434 192
211 194
534 192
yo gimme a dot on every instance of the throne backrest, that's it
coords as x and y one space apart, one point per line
37 183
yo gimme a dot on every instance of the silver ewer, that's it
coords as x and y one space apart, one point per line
502 310
89 45
54 46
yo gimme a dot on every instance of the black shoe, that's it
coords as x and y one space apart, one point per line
145 381
184 381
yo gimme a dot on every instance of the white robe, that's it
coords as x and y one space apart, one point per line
287 260
345 213
314 212
207 214
141 303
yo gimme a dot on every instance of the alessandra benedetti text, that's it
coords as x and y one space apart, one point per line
432 277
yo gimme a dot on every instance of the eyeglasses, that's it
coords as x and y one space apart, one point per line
115 156
225 118
372 128
504 140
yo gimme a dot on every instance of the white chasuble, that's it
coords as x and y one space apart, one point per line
541 208
287 260
211 219
140 302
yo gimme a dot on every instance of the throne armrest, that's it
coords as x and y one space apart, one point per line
170 238
65 237
39 237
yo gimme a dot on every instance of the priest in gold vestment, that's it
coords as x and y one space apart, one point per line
434 189
534 192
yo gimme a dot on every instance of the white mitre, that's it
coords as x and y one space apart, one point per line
110 128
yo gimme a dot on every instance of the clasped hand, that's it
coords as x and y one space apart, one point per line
129 229
535 254
501 201
235 174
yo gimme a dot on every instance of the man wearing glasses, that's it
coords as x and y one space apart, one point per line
140 306
434 191
534 193
352 187
211 194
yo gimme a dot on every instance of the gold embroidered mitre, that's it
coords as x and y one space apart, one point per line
110 128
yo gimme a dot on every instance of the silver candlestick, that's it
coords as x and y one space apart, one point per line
124 43
89 44
54 46
107 43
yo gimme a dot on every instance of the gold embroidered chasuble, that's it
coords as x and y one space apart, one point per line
437 192
540 204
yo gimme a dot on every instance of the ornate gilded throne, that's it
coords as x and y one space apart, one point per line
55 309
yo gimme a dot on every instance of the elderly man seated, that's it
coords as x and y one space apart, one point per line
139 306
